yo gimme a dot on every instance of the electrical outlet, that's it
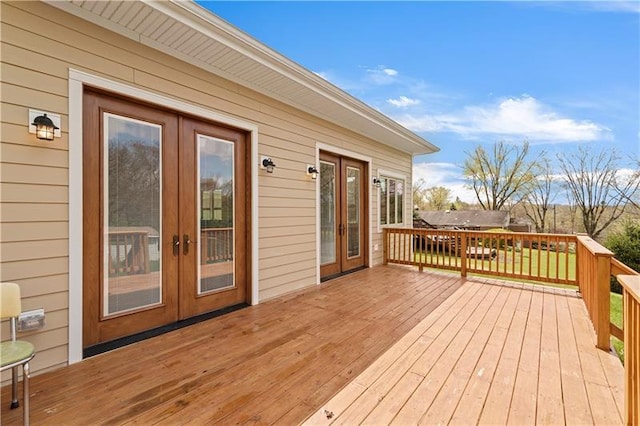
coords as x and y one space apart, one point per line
31 320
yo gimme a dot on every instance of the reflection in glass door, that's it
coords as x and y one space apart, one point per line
132 190
353 212
327 213
216 221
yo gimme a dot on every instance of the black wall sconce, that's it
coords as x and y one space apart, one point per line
376 182
312 171
43 125
268 164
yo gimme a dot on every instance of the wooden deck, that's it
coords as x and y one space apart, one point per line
387 344
494 353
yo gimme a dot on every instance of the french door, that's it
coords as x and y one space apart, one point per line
165 230
343 214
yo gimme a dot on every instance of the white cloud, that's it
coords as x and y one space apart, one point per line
524 118
448 175
403 102
622 6
382 75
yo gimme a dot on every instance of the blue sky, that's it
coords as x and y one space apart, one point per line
558 74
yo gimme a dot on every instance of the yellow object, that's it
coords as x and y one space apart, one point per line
14 353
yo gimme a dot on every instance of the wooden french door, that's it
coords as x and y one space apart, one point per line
343 214
165 229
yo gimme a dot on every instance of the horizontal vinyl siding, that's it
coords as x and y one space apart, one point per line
39 45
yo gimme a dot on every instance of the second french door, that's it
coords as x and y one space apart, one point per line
165 229
343 214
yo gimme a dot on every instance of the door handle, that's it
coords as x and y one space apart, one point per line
176 245
187 242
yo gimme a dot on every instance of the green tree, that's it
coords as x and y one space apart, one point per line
438 197
625 244
500 174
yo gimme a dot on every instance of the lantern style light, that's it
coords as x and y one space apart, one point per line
45 129
268 164
313 171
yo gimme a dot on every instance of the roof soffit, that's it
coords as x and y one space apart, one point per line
185 30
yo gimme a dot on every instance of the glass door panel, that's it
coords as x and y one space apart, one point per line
216 214
132 188
353 212
327 213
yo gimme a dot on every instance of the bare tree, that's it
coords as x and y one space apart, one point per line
541 194
498 175
598 190
420 194
438 197
634 199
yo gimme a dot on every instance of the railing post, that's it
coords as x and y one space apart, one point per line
385 235
463 254
603 308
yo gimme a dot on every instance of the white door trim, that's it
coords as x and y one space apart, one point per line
77 81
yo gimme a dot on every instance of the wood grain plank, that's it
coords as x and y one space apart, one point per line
574 394
496 408
549 399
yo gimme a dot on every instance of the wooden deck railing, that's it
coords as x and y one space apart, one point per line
534 257
217 245
631 320
566 259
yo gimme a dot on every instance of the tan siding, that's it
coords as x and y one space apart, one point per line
291 221
293 258
26 250
29 193
48 284
17 271
283 252
33 231
40 155
40 44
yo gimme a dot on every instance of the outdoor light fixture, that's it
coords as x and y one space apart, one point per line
313 171
376 182
268 164
43 126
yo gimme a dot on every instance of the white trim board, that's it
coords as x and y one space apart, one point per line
77 81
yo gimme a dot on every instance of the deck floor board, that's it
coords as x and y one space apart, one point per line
494 353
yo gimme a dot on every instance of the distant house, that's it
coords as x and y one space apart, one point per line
476 220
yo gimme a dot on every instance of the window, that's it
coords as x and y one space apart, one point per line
391 201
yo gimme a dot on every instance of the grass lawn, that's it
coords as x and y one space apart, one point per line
616 318
519 262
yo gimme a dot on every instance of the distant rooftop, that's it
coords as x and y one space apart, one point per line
466 218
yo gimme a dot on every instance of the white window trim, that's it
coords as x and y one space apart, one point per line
405 212
77 81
